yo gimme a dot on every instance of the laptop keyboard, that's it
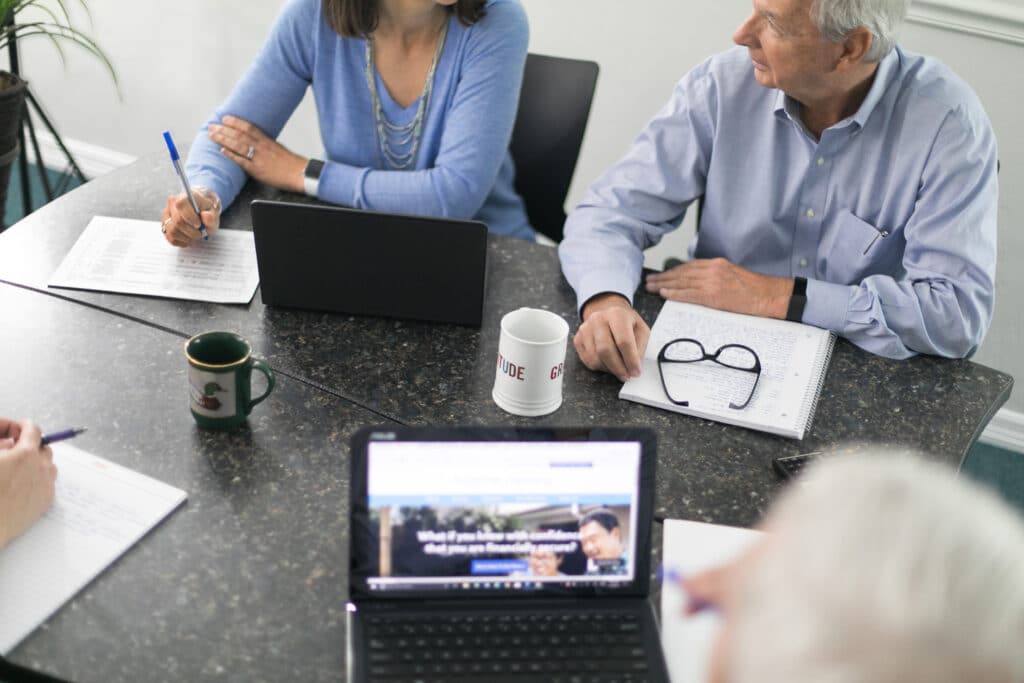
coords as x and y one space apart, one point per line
573 647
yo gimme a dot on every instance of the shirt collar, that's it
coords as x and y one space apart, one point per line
787 107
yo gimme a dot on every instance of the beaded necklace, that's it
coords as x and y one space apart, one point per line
390 137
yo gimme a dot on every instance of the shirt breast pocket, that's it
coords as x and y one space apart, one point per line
854 249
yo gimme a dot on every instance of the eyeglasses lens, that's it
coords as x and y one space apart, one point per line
737 357
684 351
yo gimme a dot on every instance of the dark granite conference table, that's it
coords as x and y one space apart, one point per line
245 581
419 373
360 370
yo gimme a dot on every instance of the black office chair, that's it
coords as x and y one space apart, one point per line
553 109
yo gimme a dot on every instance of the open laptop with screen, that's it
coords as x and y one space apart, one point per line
330 258
502 554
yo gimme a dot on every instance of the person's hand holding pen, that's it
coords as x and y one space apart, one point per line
179 221
704 590
27 476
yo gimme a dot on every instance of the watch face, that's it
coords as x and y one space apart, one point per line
313 169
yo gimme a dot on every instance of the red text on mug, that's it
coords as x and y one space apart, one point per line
507 367
556 371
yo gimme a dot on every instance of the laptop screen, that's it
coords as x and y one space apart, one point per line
524 511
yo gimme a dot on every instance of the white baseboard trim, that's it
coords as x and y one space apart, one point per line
1006 430
993 19
92 159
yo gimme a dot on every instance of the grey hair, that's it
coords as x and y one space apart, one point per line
887 570
884 18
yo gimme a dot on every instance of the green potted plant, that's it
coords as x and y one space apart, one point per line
24 19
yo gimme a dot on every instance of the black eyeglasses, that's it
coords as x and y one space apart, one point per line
733 356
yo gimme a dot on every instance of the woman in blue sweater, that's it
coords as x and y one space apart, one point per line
416 100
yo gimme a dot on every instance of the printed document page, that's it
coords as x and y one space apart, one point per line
132 257
99 511
689 548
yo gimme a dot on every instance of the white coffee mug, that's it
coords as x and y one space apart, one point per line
531 360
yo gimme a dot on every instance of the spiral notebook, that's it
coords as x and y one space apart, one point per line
794 359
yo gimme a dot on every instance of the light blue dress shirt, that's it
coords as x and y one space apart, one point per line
891 215
463 169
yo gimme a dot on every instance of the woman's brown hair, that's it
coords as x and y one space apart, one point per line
358 18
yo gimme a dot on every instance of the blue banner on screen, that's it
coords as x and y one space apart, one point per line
498 567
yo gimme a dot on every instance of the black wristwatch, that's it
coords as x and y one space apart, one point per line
798 300
311 177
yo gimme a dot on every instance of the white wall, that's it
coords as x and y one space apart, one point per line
177 64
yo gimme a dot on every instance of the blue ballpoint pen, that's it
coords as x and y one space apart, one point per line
61 435
184 181
670 575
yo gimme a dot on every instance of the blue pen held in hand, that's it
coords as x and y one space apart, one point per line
184 181
63 434
674 576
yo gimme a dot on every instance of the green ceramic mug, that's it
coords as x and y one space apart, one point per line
220 366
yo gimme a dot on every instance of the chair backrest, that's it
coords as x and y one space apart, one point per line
554 105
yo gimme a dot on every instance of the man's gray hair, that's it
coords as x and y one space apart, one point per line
884 569
884 18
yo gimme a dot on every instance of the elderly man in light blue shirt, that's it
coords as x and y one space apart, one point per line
846 183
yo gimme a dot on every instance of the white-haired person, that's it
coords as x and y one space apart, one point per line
882 569
846 183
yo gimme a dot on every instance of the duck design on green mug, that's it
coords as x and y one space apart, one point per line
207 397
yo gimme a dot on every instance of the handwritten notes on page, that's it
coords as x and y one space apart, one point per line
131 257
689 548
99 511
794 359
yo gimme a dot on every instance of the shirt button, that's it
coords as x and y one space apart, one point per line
803 263
821 161
810 213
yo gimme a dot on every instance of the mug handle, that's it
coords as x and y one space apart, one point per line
269 374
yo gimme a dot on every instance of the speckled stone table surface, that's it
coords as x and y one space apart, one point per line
419 373
245 581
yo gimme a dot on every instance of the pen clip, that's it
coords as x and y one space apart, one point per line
880 233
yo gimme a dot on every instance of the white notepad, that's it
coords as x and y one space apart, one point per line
132 257
688 548
99 511
794 358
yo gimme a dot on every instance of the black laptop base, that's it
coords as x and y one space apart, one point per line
509 642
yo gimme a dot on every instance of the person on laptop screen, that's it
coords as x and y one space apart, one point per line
601 538
416 101
544 562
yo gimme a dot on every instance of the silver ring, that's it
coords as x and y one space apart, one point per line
251 153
